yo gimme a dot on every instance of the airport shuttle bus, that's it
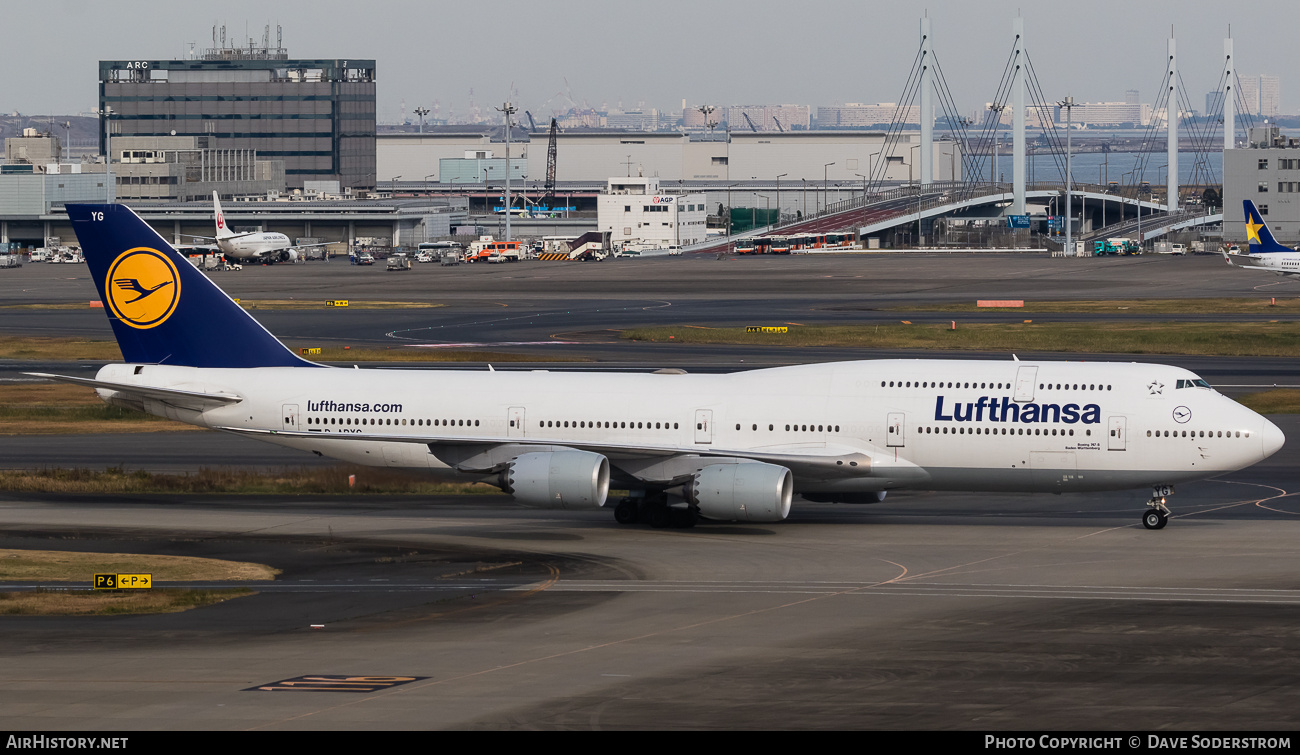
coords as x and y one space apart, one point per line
742 446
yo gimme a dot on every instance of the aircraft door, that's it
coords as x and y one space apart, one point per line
290 414
894 430
1025 379
515 422
703 425
1118 433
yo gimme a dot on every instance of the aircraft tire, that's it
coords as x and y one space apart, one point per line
656 515
625 512
1155 520
682 518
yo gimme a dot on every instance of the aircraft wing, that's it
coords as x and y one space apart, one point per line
189 399
661 464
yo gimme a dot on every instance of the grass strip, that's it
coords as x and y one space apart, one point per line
320 304
60 408
280 481
1268 306
99 603
71 349
1277 401
1280 339
75 566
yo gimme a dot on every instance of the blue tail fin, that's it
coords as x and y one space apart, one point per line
1258 237
162 309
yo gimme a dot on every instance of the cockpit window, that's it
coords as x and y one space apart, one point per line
1197 383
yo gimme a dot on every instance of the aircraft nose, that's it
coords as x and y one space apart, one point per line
1270 438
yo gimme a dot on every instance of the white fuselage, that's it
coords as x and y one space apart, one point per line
251 246
1277 262
924 424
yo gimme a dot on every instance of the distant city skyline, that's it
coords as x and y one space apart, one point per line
550 57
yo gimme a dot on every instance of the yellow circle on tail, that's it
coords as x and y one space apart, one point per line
142 287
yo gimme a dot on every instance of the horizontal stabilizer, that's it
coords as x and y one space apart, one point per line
171 395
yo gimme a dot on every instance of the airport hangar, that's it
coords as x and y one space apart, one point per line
32 212
470 161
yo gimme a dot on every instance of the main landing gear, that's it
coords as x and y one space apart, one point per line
653 509
1157 514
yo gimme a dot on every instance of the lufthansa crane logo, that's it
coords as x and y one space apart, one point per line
142 287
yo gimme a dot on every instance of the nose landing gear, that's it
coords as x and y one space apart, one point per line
1157 514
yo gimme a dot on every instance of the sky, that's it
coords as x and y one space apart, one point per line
658 53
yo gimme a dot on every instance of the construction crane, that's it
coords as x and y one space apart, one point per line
548 198
532 124
752 127
779 127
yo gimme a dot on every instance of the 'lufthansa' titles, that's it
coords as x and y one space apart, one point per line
992 410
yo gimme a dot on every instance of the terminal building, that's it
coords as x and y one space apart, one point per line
316 116
1267 172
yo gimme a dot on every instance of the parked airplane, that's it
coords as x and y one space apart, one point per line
731 446
1264 251
251 246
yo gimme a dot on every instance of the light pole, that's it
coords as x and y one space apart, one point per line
506 111
826 197
422 111
997 123
1068 104
864 185
917 189
805 197
428 188
767 210
393 191
107 112
778 197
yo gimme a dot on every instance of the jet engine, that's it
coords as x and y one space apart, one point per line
747 492
558 479
289 255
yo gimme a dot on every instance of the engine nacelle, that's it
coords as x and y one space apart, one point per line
289 255
558 479
872 497
747 492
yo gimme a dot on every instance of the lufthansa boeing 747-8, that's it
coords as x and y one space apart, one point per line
741 446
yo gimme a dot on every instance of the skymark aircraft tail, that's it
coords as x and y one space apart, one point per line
1258 237
223 230
162 309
